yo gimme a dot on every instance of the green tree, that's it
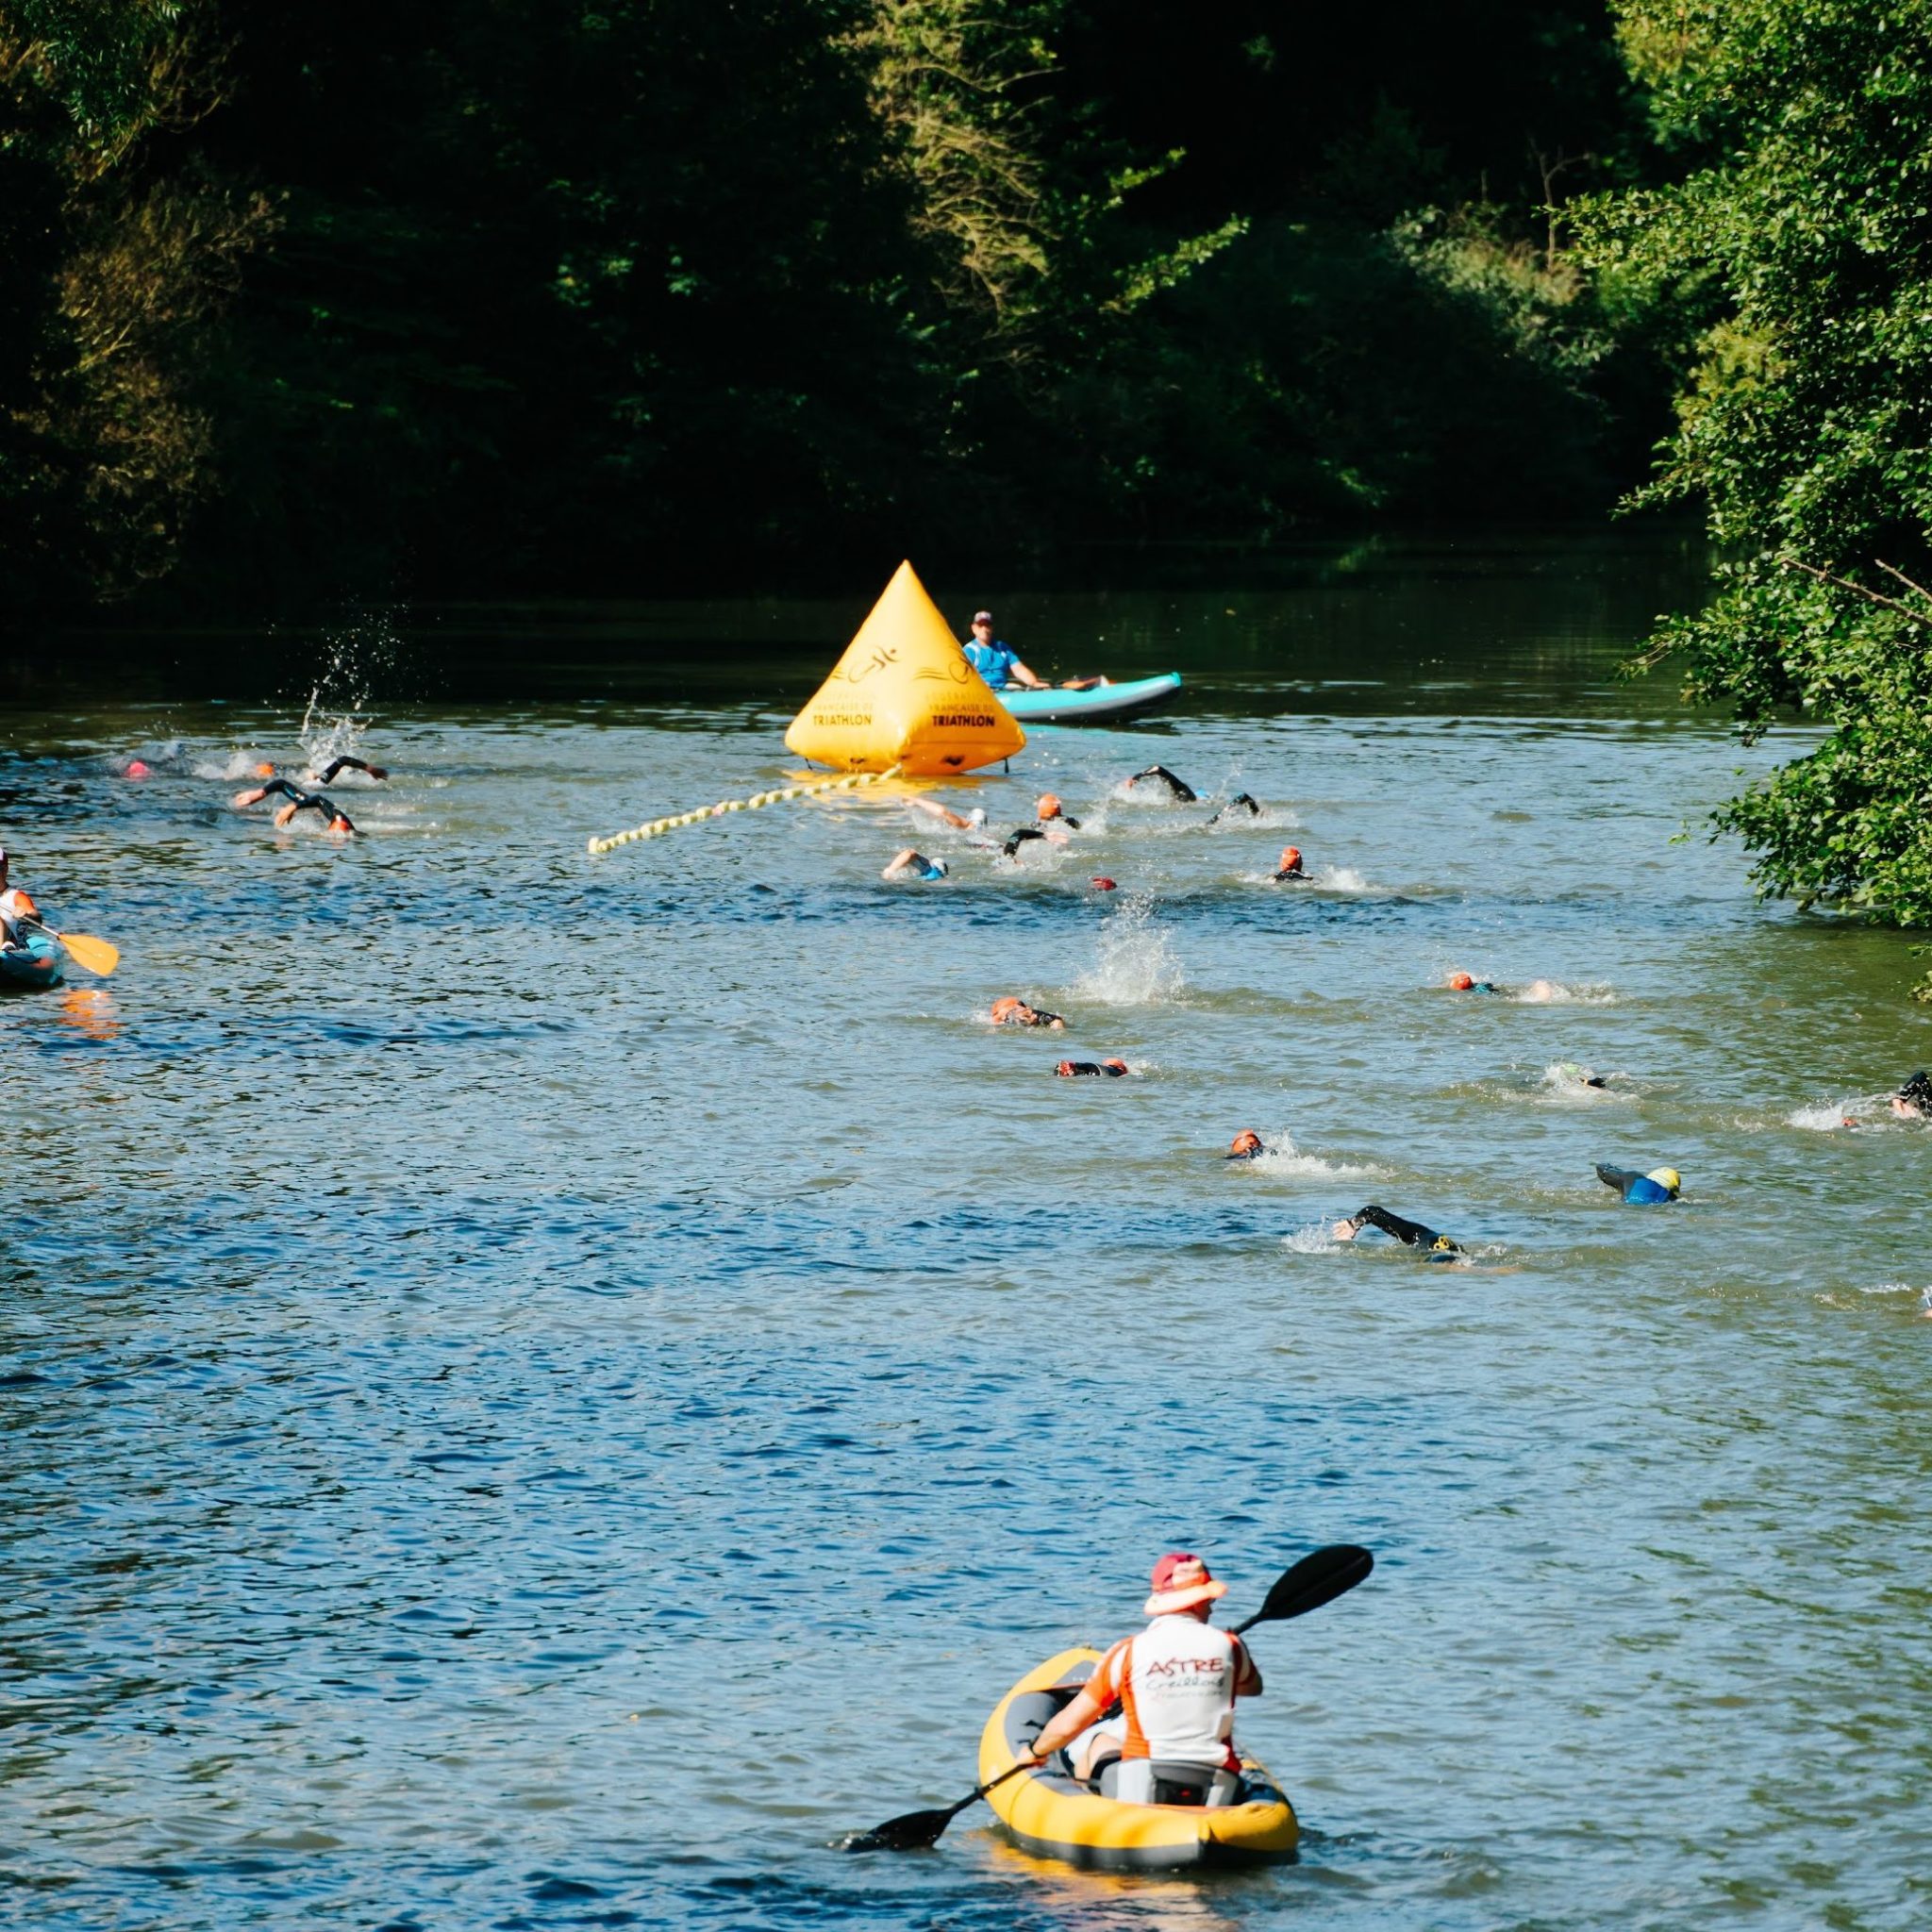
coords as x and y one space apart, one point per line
1799 238
115 265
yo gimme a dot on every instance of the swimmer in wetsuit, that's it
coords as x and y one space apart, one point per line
335 766
1180 793
1010 1010
909 864
1241 802
1913 1101
1291 865
1411 1234
1073 1069
1246 1146
299 800
1642 1189
1051 823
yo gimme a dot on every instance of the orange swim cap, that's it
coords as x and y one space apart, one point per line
1103 885
339 823
1290 857
1460 982
1120 1066
136 769
1246 1142
1048 806
264 770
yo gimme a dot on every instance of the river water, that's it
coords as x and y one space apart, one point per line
539 1390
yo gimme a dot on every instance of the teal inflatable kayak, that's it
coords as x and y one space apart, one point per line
1103 701
37 963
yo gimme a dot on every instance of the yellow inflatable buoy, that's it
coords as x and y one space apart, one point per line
904 694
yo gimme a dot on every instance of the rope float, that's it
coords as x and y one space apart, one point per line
655 828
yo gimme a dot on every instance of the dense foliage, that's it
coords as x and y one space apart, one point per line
489 295
1800 236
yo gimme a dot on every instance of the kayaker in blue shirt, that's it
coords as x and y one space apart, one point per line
1642 1189
996 662
1000 665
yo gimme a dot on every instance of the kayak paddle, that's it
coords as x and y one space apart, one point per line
1319 1578
97 956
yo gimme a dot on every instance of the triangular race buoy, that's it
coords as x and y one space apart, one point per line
904 694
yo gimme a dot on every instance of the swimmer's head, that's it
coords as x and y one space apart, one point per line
340 823
1460 982
1047 806
1244 1146
137 768
977 816
1102 885
1119 1066
1290 858
1005 1004
264 770
1667 1178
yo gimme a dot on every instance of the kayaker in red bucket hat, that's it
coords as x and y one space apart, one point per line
1176 1683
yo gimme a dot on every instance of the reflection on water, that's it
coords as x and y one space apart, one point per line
539 1391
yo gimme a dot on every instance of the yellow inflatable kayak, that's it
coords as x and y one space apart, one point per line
1050 1812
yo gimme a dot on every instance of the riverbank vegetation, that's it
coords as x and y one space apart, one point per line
487 298
1794 232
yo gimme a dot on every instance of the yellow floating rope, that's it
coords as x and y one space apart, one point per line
658 827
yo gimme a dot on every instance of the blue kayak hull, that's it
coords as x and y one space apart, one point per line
1103 701
25 969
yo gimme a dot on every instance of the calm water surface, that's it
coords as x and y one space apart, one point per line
537 1390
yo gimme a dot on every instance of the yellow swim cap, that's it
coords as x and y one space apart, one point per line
1666 1177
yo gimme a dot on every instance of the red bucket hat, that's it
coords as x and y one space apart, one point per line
1181 1580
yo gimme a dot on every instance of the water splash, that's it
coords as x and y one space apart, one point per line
1826 1116
1282 1157
1552 992
1567 1082
1315 1238
1136 966
336 715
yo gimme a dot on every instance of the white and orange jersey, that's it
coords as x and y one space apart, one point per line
15 905
1177 1682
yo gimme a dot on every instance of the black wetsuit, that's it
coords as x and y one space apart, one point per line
1183 794
308 801
336 765
1917 1092
1410 1234
1239 801
1071 1070
1292 877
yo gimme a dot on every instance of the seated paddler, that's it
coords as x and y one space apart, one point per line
999 663
1176 1683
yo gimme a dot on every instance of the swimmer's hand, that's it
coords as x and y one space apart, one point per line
1346 1230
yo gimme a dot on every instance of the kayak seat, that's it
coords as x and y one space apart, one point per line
1158 1782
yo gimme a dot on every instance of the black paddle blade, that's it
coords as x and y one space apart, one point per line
915 1832
1319 1578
